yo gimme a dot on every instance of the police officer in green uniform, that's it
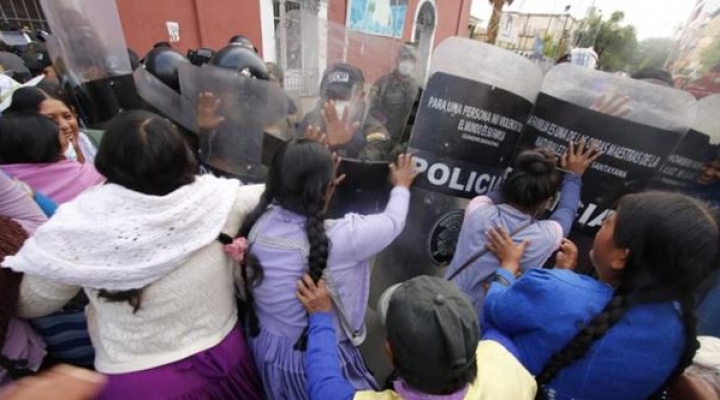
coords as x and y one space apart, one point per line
393 95
341 114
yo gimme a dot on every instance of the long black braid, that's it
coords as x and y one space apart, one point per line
673 244
299 177
581 343
319 250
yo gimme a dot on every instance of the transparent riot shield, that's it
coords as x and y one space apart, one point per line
357 88
635 124
468 125
247 107
688 169
165 101
89 49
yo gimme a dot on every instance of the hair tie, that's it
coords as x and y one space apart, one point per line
236 249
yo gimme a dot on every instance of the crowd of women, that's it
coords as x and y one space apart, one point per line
118 257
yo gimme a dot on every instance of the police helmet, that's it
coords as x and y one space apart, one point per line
241 59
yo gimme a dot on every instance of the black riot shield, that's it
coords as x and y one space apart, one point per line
635 124
468 124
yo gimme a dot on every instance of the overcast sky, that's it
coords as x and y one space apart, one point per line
652 18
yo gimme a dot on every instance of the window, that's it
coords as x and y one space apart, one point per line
290 5
19 14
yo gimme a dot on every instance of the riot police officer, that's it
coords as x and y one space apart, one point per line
341 114
393 95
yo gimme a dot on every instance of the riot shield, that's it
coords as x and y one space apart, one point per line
164 100
683 170
357 88
247 106
468 125
635 124
89 47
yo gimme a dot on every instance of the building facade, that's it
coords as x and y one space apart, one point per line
520 31
210 23
700 32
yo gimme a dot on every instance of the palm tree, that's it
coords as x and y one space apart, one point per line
494 24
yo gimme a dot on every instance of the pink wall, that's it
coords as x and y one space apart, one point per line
210 23
207 23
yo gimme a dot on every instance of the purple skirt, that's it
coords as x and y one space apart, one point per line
226 371
282 368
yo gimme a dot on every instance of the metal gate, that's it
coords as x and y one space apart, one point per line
20 14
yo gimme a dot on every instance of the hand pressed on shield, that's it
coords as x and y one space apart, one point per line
314 296
337 179
339 129
207 112
578 158
612 103
508 253
567 256
402 171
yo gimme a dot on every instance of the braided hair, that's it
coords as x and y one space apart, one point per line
673 245
533 181
300 174
12 237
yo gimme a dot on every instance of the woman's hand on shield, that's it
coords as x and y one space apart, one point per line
612 103
339 129
507 252
403 171
578 158
336 181
207 112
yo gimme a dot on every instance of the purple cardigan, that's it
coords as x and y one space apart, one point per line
17 205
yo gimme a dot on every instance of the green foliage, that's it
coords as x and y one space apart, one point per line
615 44
653 53
711 55
550 46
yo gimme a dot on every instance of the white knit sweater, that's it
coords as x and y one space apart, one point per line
190 310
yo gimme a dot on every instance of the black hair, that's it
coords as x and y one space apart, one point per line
673 246
27 99
299 177
28 138
145 153
534 180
